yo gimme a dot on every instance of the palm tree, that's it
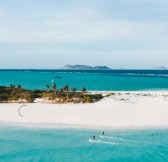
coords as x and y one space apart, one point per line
61 91
74 90
19 87
54 88
12 85
66 89
48 87
84 91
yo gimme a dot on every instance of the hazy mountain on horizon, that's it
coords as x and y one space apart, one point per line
160 68
84 67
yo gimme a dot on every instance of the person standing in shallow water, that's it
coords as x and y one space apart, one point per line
102 133
94 137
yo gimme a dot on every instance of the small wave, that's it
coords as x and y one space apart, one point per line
118 138
100 141
45 72
76 72
111 137
143 74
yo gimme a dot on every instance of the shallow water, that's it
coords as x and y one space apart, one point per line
44 144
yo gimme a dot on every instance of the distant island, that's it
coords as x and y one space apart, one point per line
84 67
160 68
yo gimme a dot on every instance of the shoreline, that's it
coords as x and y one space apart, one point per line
124 110
31 125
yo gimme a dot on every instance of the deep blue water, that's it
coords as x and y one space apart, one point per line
64 145
124 80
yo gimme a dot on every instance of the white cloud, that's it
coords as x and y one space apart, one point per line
77 30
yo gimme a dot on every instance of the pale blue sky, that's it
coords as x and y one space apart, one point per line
51 33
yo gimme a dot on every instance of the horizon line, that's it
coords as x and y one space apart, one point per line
79 69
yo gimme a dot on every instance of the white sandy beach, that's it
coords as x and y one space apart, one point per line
127 109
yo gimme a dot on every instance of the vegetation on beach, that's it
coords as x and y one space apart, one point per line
64 95
110 94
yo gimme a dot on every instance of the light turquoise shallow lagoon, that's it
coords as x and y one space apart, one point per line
18 144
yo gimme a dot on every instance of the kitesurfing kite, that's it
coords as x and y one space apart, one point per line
57 77
19 110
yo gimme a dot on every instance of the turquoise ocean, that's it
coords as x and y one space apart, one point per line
42 144
118 80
